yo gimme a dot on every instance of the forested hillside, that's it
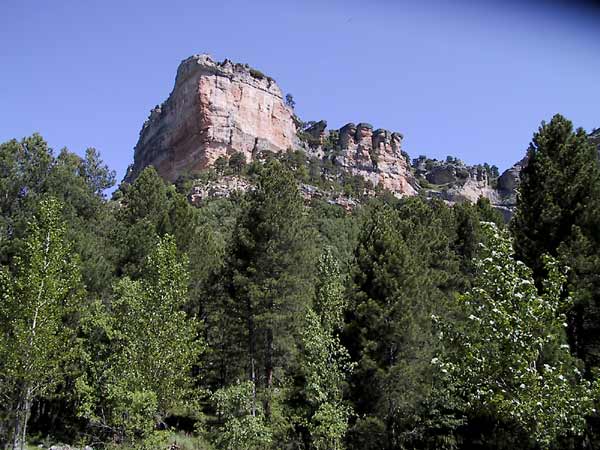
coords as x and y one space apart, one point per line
271 317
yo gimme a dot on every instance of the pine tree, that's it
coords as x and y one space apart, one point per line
399 281
558 213
150 209
559 185
268 278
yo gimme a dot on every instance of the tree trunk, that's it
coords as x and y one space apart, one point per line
17 427
253 375
251 351
269 371
21 418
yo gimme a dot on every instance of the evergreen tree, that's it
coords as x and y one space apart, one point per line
268 278
559 185
399 283
558 213
97 174
150 209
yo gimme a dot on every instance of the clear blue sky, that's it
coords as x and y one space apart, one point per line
472 78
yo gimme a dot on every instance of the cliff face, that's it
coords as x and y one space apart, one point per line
215 109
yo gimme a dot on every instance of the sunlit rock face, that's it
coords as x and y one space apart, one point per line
376 156
215 109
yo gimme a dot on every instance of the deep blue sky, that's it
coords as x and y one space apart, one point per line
471 79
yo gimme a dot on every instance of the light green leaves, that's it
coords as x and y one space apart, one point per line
153 346
325 361
508 354
244 423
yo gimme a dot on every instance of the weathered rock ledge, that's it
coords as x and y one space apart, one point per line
375 155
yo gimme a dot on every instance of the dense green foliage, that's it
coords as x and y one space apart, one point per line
495 359
559 214
269 320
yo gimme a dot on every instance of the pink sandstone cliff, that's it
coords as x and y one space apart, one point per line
215 109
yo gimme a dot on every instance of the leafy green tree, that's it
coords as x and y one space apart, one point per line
325 362
38 300
29 172
153 347
244 423
498 358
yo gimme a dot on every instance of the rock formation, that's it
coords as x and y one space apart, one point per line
357 149
215 109
455 182
595 138
376 156
218 109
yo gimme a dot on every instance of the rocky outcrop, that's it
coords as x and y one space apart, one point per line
218 109
215 109
454 182
595 138
375 155
223 187
315 133
510 178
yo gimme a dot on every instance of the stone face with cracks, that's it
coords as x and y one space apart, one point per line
376 156
215 109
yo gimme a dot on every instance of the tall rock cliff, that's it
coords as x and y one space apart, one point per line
220 108
215 109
